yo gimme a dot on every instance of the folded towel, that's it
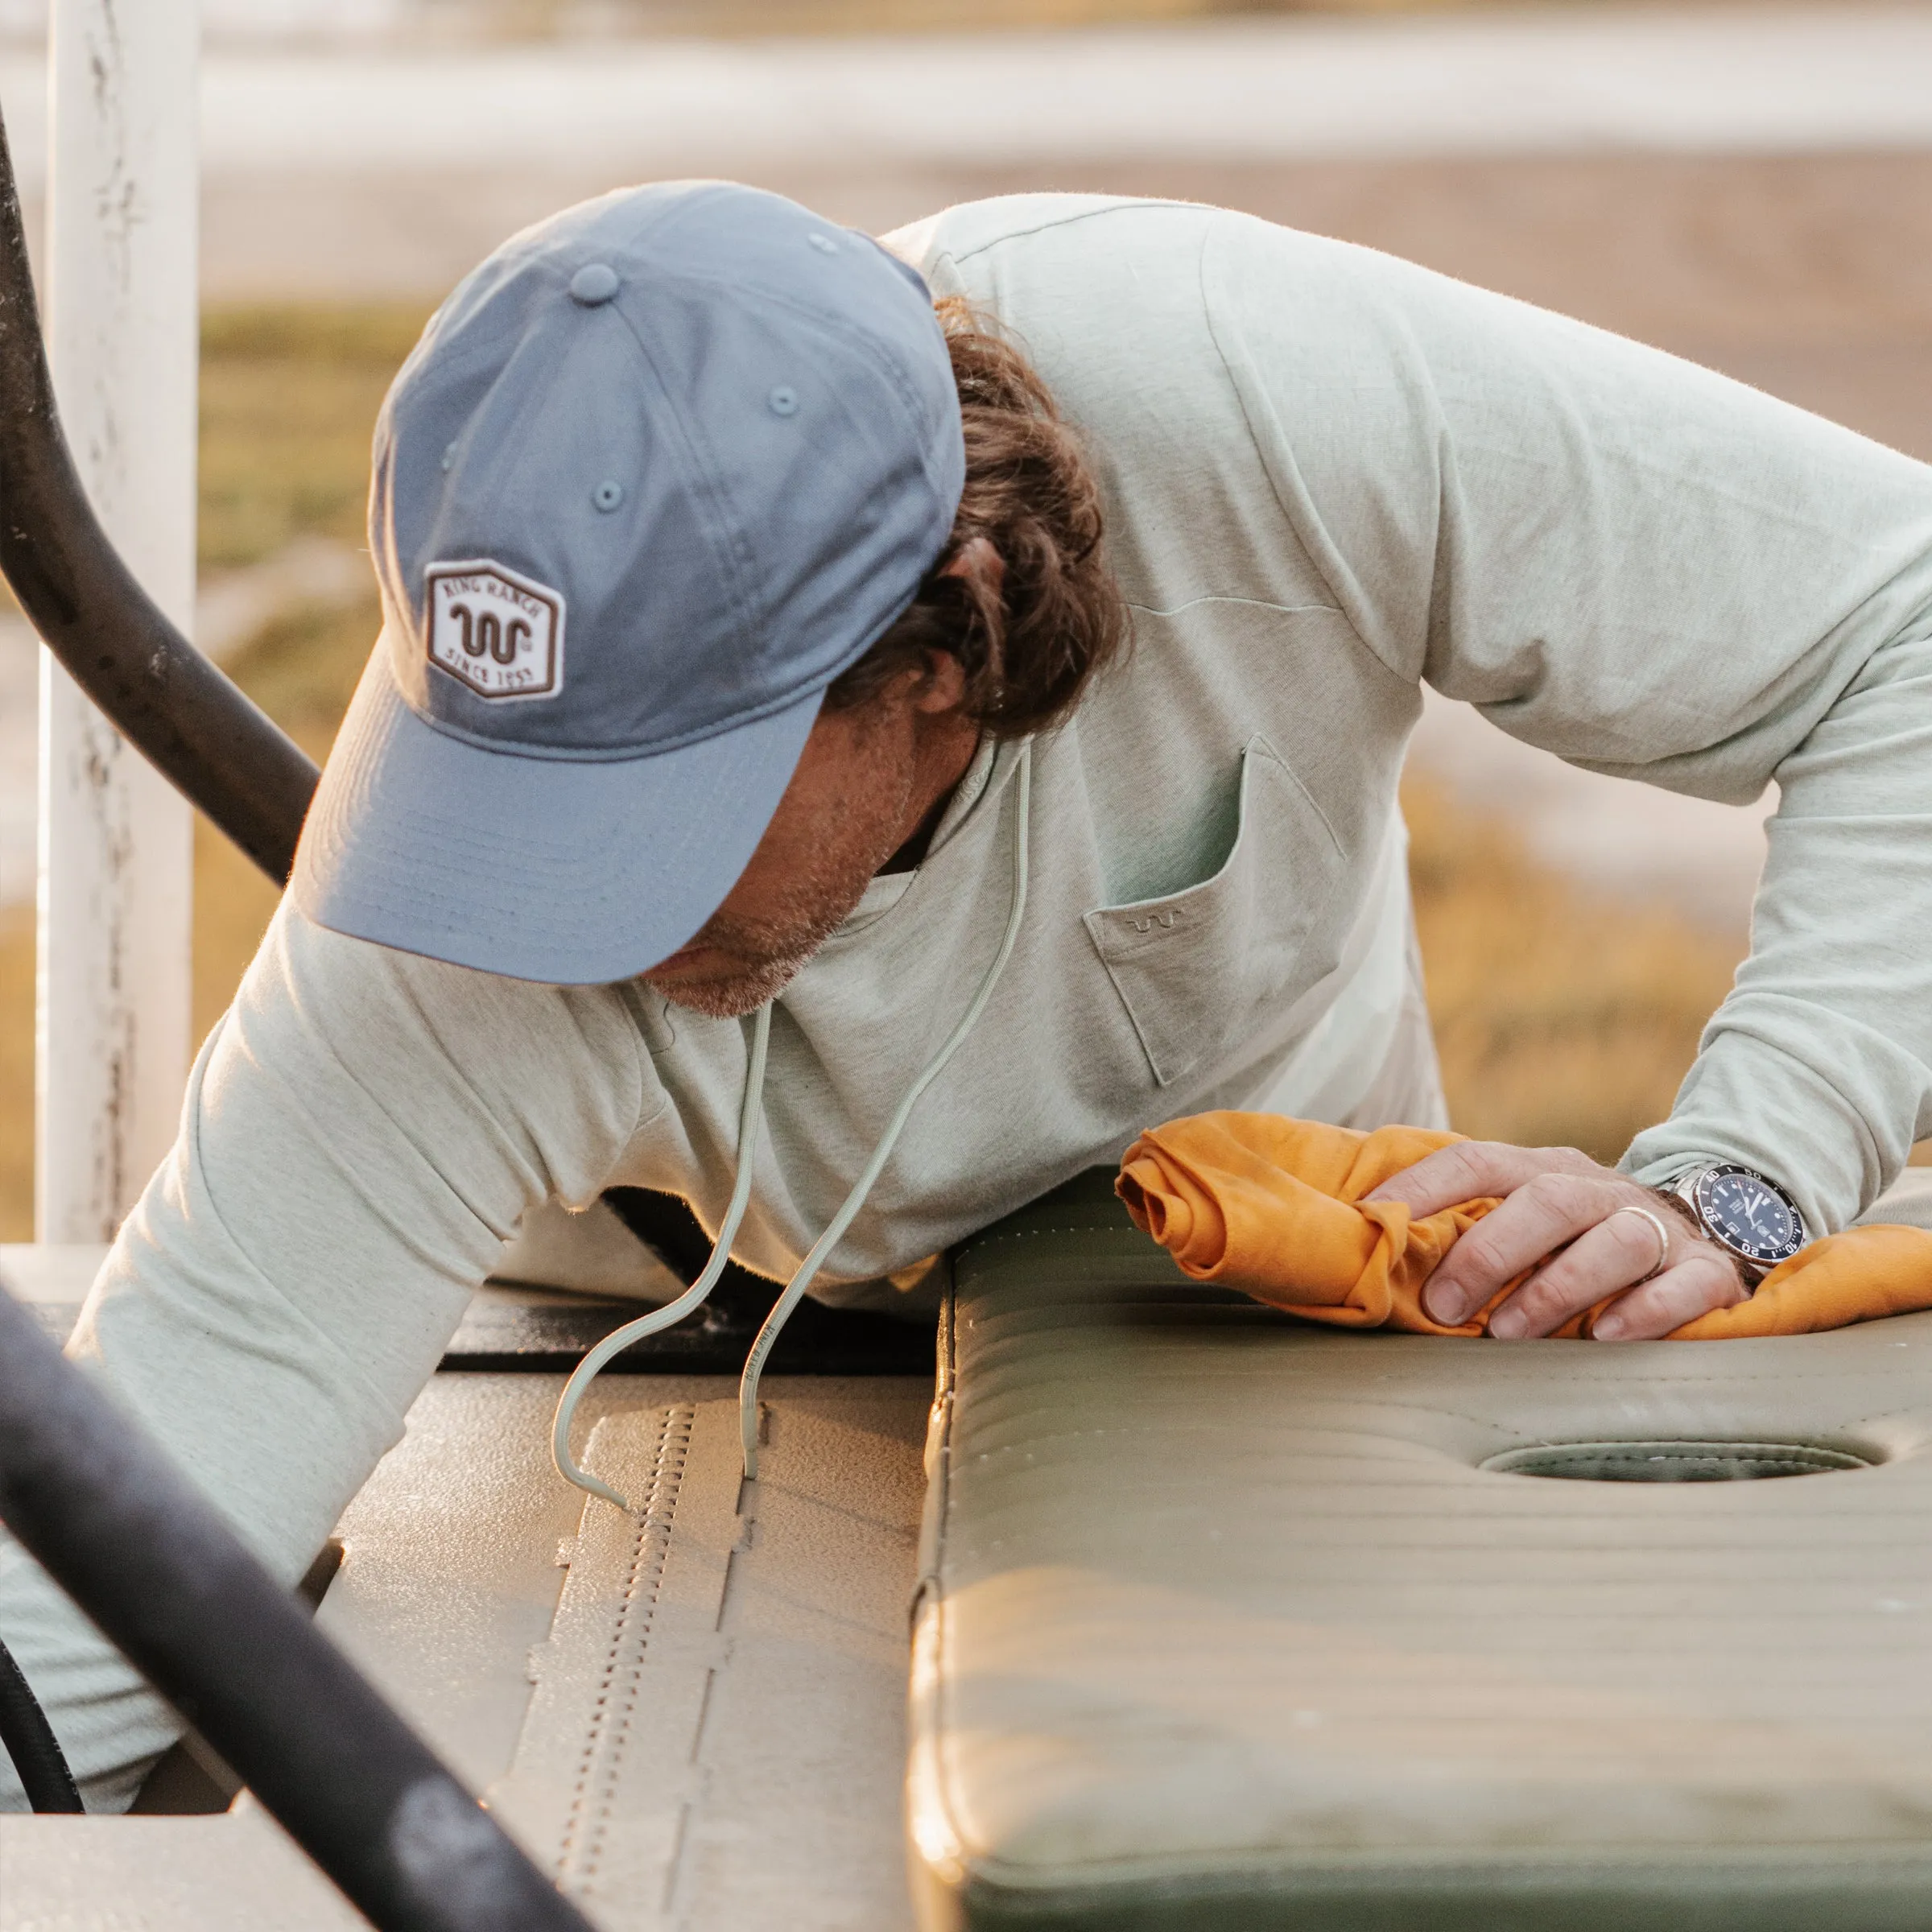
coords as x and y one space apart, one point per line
1274 1207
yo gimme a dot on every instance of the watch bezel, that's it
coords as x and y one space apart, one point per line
1691 1190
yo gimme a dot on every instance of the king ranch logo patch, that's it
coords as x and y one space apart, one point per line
496 632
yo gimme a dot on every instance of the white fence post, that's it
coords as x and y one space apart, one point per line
116 842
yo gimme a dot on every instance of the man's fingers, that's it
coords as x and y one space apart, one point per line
1542 1215
1559 1216
1618 1250
1469 1171
1702 1281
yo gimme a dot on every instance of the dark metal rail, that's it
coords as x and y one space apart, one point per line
28 1740
211 742
172 1587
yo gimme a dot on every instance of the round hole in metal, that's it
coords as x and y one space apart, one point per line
1672 1462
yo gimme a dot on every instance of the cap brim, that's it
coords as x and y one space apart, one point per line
573 871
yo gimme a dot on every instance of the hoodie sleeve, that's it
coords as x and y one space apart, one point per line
1655 572
361 1133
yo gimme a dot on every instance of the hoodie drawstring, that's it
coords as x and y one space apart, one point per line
750 1118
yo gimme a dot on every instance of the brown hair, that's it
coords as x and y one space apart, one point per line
1029 647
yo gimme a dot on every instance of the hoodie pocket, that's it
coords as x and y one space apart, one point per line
1197 968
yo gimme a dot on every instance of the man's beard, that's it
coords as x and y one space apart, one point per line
762 956
763 964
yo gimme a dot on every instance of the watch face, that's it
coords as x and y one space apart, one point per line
1748 1214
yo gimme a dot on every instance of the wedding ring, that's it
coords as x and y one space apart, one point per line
1663 1240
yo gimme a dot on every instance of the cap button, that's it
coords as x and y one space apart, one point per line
594 282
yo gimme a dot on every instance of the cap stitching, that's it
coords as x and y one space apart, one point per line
725 538
575 754
879 352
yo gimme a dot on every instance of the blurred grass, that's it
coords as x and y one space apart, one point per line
1560 1018
289 396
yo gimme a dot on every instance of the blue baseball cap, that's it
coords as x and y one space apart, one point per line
659 470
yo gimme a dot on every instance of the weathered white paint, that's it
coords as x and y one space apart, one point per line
115 842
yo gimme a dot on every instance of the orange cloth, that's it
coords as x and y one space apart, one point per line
1274 1207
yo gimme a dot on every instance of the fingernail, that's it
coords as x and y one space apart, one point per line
1506 1324
1443 1305
1607 1328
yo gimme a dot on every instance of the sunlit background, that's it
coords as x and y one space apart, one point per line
1748 187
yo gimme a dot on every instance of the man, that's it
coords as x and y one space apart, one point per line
725 589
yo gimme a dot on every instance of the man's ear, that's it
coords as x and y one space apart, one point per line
980 564
944 686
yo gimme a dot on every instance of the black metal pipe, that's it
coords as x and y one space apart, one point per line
171 1587
28 1739
211 742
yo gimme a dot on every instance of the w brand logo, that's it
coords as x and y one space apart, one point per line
494 631
487 634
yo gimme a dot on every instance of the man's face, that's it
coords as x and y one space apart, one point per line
868 780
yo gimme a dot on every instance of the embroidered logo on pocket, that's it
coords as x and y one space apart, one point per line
494 631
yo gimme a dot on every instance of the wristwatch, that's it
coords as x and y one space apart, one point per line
1745 1212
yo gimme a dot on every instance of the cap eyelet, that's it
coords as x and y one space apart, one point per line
607 496
595 282
783 402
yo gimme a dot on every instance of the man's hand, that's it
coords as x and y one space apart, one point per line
1558 1216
